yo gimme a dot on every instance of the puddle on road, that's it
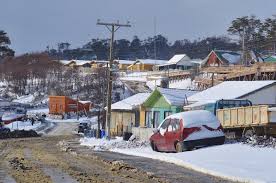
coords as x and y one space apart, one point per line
56 175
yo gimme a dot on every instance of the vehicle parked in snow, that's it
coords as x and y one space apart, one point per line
247 121
186 131
18 114
84 125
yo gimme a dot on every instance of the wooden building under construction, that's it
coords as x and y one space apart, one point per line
60 105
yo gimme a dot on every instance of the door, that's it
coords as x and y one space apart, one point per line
156 119
173 134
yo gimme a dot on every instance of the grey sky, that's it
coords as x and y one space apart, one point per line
34 24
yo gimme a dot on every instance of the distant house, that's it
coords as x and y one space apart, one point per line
61 105
222 58
76 63
145 64
123 64
99 63
161 103
258 92
226 58
181 61
125 114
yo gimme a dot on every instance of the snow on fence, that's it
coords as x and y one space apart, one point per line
143 133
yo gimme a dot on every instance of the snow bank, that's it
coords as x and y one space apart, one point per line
237 161
118 142
72 120
20 125
182 84
26 99
38 111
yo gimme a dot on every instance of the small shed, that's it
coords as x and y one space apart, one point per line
161 103
60 105
258 92
125 114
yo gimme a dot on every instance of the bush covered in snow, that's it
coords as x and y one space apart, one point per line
117 143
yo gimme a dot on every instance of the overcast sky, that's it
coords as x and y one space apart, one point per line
34 24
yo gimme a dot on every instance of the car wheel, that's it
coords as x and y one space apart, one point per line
153 146
179 147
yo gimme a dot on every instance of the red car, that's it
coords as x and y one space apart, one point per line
186 131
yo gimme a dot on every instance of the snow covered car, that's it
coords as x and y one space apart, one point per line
186 131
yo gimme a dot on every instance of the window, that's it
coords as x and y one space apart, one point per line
175 124
167 113
156 118
148 118
164 126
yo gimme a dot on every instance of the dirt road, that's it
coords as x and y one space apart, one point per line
66 128
47 159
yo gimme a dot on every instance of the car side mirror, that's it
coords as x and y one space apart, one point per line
156 131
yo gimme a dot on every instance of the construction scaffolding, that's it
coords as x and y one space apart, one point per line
210 76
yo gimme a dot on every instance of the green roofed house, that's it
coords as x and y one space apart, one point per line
270 59
161 103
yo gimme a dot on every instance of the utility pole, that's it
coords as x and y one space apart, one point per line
112 27
155 55
244 62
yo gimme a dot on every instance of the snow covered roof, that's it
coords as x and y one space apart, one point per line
225 56
130 103
77 62
128 62
84 102
200 103
176 97
229 90
177 58
152 61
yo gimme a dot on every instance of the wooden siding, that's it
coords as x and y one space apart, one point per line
121 122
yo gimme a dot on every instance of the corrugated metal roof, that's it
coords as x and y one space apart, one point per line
229 90
177 58
176 97
130 103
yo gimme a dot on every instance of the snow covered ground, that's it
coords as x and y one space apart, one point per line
182 84
26 99
38 111
237 161
20 125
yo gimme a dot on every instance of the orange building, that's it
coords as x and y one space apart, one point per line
60 105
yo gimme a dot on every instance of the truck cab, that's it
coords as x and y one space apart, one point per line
213 106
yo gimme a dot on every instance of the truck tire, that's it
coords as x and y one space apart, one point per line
248 132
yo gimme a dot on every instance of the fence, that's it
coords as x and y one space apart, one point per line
142 133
